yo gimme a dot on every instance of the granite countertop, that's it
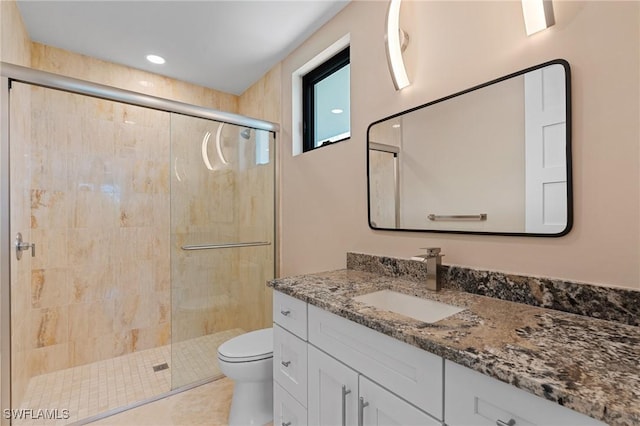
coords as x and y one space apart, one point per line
589 365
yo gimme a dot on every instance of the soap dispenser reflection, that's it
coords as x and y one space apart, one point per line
433 259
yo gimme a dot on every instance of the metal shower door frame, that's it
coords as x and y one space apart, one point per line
5 253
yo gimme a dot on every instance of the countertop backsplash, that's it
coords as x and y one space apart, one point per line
608 303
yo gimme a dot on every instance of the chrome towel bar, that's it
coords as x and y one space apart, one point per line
481 216
227 245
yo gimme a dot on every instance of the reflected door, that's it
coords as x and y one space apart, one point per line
545 148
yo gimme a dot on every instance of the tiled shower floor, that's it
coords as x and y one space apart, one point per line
102 386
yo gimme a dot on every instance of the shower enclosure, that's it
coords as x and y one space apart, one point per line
147 235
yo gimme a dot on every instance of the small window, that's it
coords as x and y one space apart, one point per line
326 104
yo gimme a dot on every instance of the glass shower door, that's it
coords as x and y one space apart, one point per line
90 305
222 239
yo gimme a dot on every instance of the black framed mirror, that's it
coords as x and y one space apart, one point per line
493 159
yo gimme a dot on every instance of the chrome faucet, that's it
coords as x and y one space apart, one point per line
433 258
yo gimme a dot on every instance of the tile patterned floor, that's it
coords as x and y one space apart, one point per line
102 386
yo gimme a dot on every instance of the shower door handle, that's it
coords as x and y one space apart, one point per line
22 246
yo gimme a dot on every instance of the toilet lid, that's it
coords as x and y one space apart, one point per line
251 346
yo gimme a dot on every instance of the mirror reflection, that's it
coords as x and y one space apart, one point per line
493 159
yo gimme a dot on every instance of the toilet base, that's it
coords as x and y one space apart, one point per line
252 404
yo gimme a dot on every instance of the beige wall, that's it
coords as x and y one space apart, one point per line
456 45
15 44
71 64
263 100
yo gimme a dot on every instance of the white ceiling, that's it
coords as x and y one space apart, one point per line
224 45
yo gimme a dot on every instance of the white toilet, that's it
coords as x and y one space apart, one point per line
248 360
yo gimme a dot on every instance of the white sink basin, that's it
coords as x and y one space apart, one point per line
410 306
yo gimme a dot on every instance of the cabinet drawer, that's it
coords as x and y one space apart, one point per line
411 373
290 363
290 313
286 410
475 399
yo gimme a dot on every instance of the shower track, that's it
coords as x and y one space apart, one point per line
68 84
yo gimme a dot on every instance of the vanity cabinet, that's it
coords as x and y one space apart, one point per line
328 370
475 399
332 371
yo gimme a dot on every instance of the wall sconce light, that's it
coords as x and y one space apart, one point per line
396 42
538 15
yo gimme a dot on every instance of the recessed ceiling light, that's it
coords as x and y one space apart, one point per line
396 126
337 111
146 83
155 59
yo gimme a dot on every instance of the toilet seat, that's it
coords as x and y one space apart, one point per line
253 346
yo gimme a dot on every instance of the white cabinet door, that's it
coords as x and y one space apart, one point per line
333 391
380 407
286 410
473 399
413 374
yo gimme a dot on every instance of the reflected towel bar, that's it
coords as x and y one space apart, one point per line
481 216
228 245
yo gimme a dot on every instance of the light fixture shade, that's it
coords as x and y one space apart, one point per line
538 15
394 41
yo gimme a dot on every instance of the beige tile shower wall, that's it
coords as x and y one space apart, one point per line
15 44
255 222
100 284
59 61
99 203
215 290
203 210
15 48
93 315
453 46
262 100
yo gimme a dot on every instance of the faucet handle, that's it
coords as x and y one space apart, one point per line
432 251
